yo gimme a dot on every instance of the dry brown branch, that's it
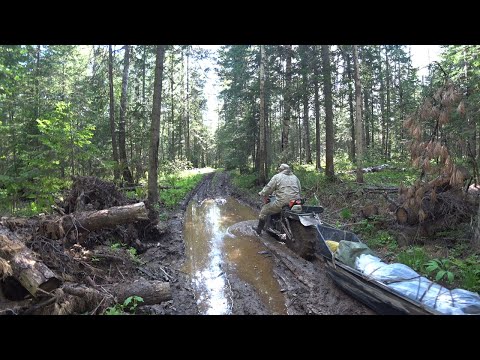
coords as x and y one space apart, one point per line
5 269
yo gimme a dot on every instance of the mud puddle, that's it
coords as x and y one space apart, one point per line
220 244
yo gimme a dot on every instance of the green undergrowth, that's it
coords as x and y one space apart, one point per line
453 266
174 187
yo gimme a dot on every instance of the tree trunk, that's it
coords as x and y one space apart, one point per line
127 175
367 118
116 172
317 111
13 223
181 115
33 128
476 235
372 123
358 114
155 128
83 299
306 124
172 103
92 220
152 292
387 121
299 131
401 106
350 104
329 135
382 100
262 153
187 120
287 103
31 273
406 216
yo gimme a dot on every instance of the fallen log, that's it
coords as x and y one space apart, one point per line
83 298
406 215
58 227
93 220
370 169
369 211
33 274
12 223
152 292
381 189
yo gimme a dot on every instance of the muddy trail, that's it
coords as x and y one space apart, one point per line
260 277
203 258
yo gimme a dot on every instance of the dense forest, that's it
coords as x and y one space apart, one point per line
134 114
83 110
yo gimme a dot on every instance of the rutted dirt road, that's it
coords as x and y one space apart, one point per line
305 286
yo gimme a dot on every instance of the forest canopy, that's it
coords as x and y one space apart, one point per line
69 110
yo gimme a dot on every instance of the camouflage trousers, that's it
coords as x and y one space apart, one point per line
270 209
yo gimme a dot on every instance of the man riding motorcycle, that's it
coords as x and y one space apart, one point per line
286 187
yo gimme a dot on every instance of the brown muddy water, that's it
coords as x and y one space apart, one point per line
219 241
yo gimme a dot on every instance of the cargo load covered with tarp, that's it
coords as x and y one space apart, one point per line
406 281
387 288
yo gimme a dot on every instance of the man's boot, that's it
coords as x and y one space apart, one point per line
259 228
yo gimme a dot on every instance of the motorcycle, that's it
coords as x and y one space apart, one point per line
295 225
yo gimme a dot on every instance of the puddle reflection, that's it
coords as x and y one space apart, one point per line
212 242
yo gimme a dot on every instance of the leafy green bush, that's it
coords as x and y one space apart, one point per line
129 306
442 269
